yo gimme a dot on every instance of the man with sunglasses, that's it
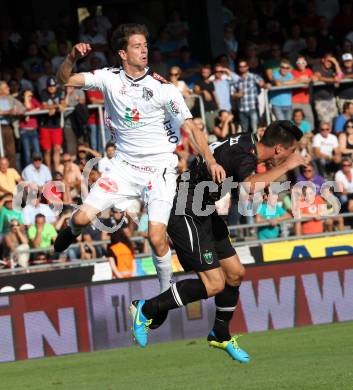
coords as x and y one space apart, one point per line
281 100
326 150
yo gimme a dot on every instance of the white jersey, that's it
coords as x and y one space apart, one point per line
144 114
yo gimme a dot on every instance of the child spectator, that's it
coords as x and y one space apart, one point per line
270 211
121 255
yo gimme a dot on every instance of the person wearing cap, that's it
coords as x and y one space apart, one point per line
50 132
7 213
36 172
345 92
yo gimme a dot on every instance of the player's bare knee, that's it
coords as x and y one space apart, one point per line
215 284
235 276
158 242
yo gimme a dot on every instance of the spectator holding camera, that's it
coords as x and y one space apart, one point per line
329 72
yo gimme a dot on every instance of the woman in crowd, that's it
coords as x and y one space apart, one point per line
345 139
298 118
174 78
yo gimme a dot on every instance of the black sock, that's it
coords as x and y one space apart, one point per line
226 303
179 294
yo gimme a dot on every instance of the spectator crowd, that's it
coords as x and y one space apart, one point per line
282 60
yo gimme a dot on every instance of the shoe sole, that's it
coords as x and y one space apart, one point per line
132 313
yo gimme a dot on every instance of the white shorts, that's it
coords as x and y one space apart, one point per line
128 182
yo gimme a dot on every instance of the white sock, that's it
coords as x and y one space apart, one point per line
164 269
76 230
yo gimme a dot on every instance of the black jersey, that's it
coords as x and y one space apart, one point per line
237 156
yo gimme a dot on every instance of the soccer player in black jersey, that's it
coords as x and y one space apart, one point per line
202 241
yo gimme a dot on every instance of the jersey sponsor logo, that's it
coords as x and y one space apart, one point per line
208 257
147 93
132 117
158 77
171 134
107 185
134 85
173 107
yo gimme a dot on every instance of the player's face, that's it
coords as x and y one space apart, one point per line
136 53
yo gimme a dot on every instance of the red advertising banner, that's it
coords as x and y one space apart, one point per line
295 294
272 296
38 324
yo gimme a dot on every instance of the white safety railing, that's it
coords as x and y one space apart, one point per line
267 92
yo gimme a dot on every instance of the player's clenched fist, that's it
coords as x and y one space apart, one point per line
80 50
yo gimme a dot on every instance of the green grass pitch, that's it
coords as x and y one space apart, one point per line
317 357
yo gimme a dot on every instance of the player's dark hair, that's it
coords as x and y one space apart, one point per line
121 35
281 133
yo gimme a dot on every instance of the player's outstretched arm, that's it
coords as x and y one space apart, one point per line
199 140
266 178
65 75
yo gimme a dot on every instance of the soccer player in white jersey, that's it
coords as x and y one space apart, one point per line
138 104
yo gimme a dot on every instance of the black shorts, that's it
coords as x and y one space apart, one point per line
200 242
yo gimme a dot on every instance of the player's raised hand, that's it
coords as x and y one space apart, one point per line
294 161
80 50
217 172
